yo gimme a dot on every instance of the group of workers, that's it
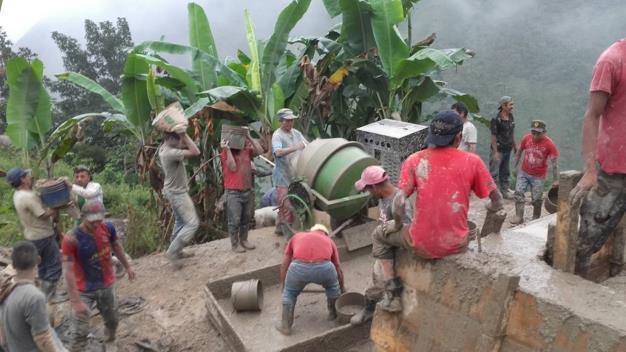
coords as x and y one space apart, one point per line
434 225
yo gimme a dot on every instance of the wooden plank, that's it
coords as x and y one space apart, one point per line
566 232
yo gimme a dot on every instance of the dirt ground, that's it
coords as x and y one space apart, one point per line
174 315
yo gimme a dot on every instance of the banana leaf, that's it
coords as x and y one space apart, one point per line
332 7
178 73
275 47
135 93
276 103
427 60
201 37
253 76
197 106
244 100
391 47
28 106
155 96
356 28
92 86
243 58
470 101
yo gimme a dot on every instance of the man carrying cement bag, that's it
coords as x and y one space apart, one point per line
442 178
310 257
603 186
375 180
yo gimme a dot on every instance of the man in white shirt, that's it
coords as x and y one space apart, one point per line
84 188
470 134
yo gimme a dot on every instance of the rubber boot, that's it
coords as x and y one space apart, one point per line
284 326
537 210
332 312
519 214
391 298
365 315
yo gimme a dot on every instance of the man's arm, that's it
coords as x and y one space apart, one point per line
591 123
92 190
494 147
230 160
496 200
256 146
45 341
335 260
121 256
518 157
555 171
36 315
192 149
286 151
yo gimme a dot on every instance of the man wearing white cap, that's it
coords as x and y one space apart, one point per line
287 142
89 272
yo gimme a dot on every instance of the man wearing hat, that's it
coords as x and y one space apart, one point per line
537 149
374 179
502 143
287 142
38 227
603 185
89 272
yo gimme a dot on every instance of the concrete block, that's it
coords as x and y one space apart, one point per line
414 272
620 346
510 345
525 322
571 340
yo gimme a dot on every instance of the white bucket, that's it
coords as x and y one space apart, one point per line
170 118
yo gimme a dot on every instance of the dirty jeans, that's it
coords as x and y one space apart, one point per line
524 181
238 213
384 243
285 215
185 221
499 169
50 268
374 292
300 274
106 302
600 212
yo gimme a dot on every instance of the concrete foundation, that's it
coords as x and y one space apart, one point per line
503 299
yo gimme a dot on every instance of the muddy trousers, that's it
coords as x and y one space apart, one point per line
500 170
106 302
600 212
300 274
238 214
50 268
526 181
186 222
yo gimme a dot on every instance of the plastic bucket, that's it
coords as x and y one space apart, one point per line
247 295
347 305
552 200
54 193
171 117
235 135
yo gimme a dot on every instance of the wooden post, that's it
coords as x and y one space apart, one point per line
566 234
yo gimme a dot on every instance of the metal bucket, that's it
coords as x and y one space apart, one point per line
347 305
54 193
247 295
552 200
235 135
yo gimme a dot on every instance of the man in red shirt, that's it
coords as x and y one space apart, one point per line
238 188
310 257
442 178
604 155
538 149
89 273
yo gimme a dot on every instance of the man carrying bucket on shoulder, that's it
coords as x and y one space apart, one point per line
178 146
38 228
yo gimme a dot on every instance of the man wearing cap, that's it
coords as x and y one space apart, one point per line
84 188
310 257
502 143
537 149
603 185
177 147
239 190
38 228
441 177
89 272
287 142
375 180
470 134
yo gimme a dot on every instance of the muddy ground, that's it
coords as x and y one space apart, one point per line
174 315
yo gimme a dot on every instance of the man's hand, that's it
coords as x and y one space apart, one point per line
494 206
81 309
66 180
497 156
301 146
589 179
131 274
224 144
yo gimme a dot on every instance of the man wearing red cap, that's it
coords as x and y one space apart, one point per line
603 186
375 180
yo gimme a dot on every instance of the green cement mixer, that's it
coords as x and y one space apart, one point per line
326 172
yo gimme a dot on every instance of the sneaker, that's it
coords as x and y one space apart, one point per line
238 249
247 245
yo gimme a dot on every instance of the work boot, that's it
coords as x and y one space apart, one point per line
284 326
174 261
537 210
365 315
237 248
109 334
185 254
391 298
519 214
332 311
247 245
507 194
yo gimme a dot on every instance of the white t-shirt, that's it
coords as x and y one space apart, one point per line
470 136
92 192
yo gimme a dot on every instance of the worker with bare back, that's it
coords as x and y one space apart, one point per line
602 188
